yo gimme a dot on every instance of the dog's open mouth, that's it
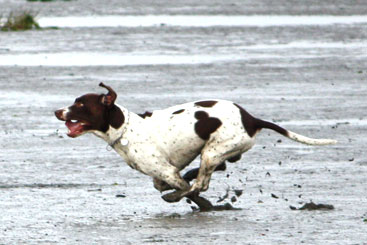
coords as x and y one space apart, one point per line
75 127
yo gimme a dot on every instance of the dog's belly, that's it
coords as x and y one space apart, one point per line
178 143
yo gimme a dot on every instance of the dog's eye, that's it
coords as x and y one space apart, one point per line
79 104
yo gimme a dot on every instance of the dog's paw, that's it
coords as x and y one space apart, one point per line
173 196
161 185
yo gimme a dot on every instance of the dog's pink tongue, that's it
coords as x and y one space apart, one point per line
75 129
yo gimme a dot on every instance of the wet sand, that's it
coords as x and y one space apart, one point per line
310 79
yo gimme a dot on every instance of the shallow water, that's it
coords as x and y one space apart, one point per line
240 53
199 21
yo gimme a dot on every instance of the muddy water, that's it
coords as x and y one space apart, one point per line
309 78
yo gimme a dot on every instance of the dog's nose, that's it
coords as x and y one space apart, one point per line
59 114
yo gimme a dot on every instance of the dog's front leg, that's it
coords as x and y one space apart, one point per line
203 204
171 180
188 177
161 185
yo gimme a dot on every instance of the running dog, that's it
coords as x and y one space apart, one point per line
163 142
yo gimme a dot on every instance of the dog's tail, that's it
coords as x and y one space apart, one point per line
294 136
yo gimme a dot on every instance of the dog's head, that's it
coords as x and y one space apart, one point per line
92 112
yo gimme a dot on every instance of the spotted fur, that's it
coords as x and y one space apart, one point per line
206 125
145 114
179 111
162 143
206 103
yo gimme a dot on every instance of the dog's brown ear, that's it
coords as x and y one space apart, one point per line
109 98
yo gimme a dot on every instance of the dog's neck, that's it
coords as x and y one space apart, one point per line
112 135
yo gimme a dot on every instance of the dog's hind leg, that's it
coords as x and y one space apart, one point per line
208 164
193 173
177 195
188 177
212 155
206 169
203 204
212 161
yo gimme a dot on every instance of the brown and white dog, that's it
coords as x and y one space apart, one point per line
162 143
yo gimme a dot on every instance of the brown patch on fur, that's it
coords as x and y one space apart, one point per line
206 103
146 114
179 111
201 115
234 159
264 124
248 121
206 125
252 124
116 117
